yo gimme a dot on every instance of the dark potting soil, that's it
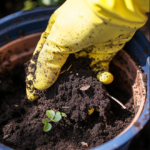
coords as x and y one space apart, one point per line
21 124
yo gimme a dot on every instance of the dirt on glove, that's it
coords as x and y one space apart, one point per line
74 92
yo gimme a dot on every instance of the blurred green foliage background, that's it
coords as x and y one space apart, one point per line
28 4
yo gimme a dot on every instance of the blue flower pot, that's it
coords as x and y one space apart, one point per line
35 20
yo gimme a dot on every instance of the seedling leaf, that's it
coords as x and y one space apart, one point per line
63 114
47 127
57 117
50 114
44 121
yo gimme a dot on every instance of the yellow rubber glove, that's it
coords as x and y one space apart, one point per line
96 28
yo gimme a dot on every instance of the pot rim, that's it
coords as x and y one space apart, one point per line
21 19
138 41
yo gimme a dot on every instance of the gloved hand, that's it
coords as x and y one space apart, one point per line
91 28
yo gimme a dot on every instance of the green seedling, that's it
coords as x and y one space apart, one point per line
52 116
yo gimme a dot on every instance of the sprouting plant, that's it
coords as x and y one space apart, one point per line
55 117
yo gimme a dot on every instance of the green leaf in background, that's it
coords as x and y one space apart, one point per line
63 114
46 2
44 121
47 127
52 2
29 4
57 117
50 114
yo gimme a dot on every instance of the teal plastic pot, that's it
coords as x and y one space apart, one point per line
26 23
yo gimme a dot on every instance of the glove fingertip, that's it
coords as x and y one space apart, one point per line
31 95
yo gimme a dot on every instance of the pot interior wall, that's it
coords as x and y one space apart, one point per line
128 76
18 51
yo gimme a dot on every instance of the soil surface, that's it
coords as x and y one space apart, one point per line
21 124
